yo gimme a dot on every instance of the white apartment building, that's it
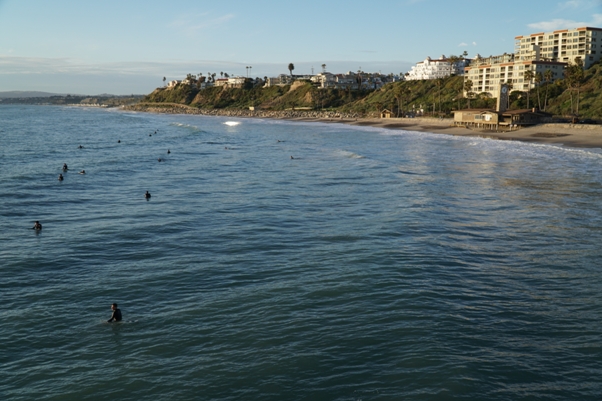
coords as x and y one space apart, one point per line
433 69
487 74
564 45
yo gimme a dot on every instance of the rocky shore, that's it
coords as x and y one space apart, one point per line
284 114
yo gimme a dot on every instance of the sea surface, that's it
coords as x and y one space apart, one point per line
283 260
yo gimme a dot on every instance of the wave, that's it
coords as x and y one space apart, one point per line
351 155
193 128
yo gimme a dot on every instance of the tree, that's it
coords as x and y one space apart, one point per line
528 76
164 79
439 83
574 76
291 67
221 74
468 89
538 81
509 85
548 75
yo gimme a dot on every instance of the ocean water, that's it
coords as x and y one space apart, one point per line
372 265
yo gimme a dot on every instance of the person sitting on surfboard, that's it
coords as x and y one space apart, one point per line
147 195
116 316
65 168
37 226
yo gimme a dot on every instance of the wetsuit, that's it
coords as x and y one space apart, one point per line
116 316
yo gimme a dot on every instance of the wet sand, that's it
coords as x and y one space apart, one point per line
572 135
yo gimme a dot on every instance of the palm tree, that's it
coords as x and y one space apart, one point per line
548 75
164 79
538 81
291 67
574 76
529 75
509 85
468 89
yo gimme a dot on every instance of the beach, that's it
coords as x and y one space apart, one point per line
572 135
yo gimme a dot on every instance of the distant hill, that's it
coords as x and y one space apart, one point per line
26 94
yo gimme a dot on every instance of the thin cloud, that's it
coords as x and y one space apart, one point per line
578 5
474 43
190 25
463 44
559 23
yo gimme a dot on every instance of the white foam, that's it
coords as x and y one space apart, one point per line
231 123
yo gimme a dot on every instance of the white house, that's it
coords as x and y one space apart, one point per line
442 67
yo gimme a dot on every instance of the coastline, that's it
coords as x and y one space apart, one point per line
561 134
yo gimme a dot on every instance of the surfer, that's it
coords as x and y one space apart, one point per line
65 168
159 160
116 316
37 226
168 152
60 177
80 147
292 158
83 172
147 195
119 141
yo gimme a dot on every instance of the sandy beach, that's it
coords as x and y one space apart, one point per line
572 135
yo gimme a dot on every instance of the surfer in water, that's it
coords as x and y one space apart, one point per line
147 195
65 168
116 316
83 172
81 147
60 177
168 152
37 226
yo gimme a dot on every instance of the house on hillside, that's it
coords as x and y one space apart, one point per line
442 67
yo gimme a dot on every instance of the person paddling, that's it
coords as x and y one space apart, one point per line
116 316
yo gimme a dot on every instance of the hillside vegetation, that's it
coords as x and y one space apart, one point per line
431 97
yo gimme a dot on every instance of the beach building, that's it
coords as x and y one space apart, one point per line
172 84
442 67
564 45
488 73
500 118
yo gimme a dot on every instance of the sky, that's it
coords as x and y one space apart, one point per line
126 47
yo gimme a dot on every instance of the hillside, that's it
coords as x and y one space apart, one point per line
431 97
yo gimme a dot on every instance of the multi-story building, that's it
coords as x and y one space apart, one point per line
439 68
487 74
564 45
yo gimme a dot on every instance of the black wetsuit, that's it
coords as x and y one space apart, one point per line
116 316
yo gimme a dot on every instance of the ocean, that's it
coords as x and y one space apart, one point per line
283 260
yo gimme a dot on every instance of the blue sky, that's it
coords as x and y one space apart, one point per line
128 46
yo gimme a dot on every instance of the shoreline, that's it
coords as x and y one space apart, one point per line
562 134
